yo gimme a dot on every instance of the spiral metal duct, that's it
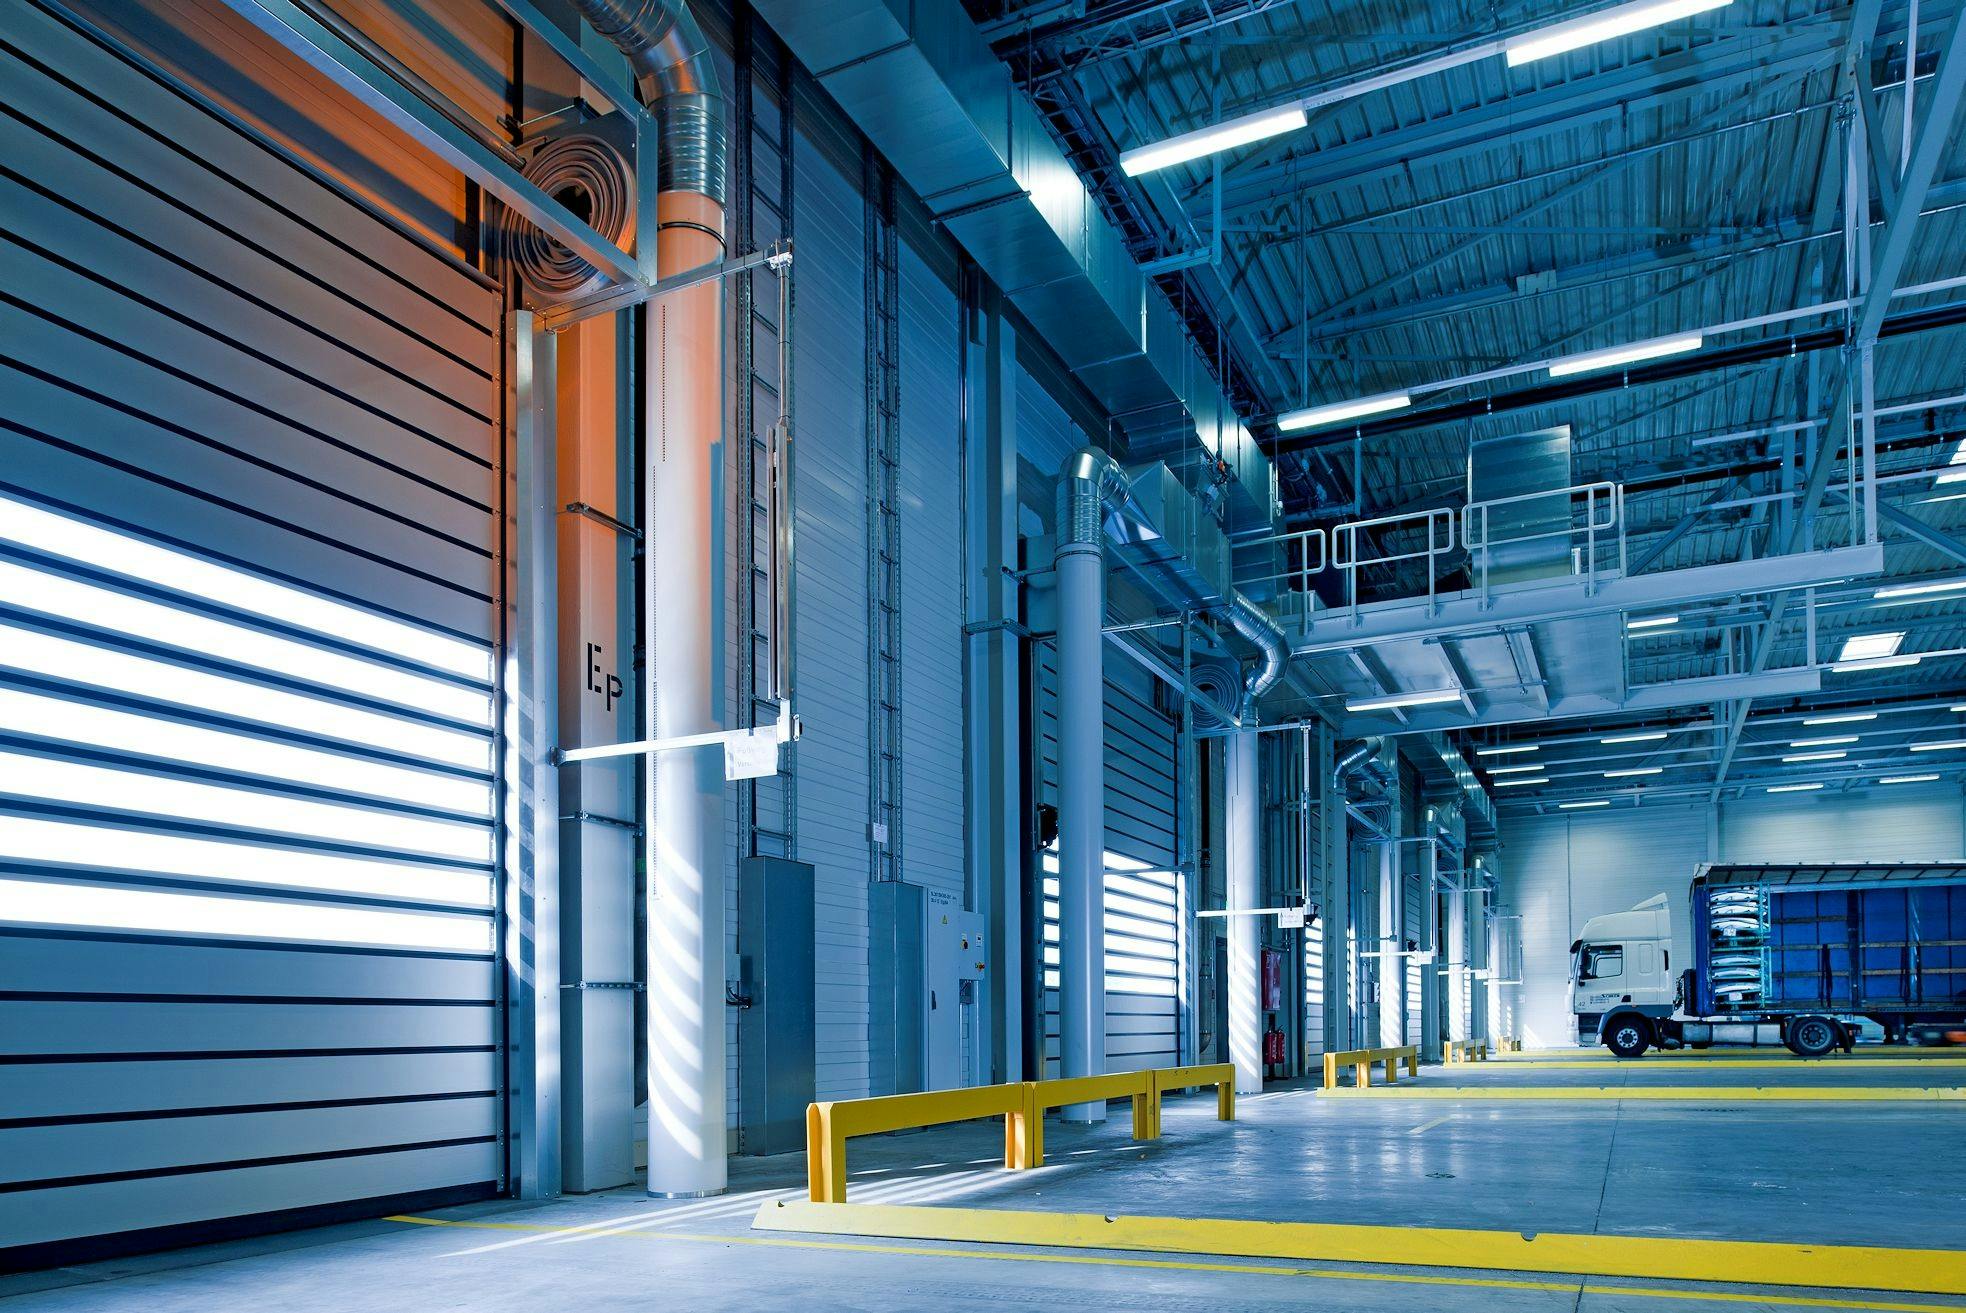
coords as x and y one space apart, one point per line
672 64
593 179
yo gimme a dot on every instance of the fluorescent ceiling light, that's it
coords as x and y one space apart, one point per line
1828 742
1207 141
1874 663
163 567
1625 355
1512 770
1314 416
1957 706
1919 590
1510 784
1908 779
1862 647
94 907
1430 698
1949 745
1649 736
1506 749
1816 756
1652 622
1850 718
1634 770
1576 806
1793 788
1617 21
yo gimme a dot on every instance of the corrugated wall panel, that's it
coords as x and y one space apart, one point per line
829 340
1898 823
931 488
250 513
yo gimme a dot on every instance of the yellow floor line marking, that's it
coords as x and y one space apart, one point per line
1668 1093
1952 1053
1925 1271
1428 1126
1177 1265
1677 1063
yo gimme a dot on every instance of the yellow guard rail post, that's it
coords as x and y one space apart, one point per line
1042 1095
1361 1061
1222 1075
830 1125
1466 1050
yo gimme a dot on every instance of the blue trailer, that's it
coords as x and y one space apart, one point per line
1783 954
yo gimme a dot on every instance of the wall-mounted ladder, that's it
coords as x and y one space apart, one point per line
883 280
767 808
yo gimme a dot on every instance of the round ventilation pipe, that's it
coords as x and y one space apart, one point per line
594 180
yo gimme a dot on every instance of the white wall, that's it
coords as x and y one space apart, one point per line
1559 871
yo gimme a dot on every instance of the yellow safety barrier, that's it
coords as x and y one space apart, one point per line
1361 1061
1508 1045
1022 1105
1465 1050
830 1125
1041 1095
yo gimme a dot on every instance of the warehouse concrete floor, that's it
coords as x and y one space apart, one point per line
1841 1173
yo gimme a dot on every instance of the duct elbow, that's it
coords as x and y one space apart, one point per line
1091 487
1258 627
1360 752
676 74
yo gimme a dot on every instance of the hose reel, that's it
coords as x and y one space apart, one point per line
592 177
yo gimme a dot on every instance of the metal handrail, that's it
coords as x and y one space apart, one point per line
1603 511
1440 527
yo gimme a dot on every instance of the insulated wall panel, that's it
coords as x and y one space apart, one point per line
829 345
250 525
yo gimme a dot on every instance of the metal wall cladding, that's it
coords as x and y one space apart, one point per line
250 517
829 345
1895 823
1560 872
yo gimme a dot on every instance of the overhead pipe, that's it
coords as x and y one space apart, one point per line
683 376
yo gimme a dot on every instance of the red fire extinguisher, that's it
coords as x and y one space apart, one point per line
1273 1047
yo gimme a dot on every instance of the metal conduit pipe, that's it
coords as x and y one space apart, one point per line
683 791
1258 627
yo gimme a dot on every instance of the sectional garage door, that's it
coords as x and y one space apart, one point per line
1144 894
249 536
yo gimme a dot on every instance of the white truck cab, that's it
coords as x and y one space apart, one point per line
1621 964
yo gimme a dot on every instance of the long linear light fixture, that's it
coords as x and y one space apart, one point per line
1874 663
1793 788
1633 771
1429 698
1908 779
1619 20
1919 590
1949 745
1506 749
1514 770
1653 622
1648 736
1523 48
1510 784
1579 806
1654 349
1850 718
1317 416
1815 756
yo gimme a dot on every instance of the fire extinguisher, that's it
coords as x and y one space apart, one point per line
1273 1047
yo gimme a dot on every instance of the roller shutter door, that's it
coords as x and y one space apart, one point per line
249 542
1313 993
1145 914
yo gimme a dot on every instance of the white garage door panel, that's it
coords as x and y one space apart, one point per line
50 1090
39 1216
250 517
118 1148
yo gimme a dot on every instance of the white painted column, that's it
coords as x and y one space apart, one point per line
1081 818
1243 865
685 794
1457 966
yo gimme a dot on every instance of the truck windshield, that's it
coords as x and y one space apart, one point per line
1601 961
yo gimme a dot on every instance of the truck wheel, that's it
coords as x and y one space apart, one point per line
1627 1037
1812 1037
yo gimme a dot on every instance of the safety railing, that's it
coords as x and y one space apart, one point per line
1588 517
1601 506
1021 1104
1437 529
1361 1061
1465 1050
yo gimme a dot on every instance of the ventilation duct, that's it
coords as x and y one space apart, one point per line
675 72
925 87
